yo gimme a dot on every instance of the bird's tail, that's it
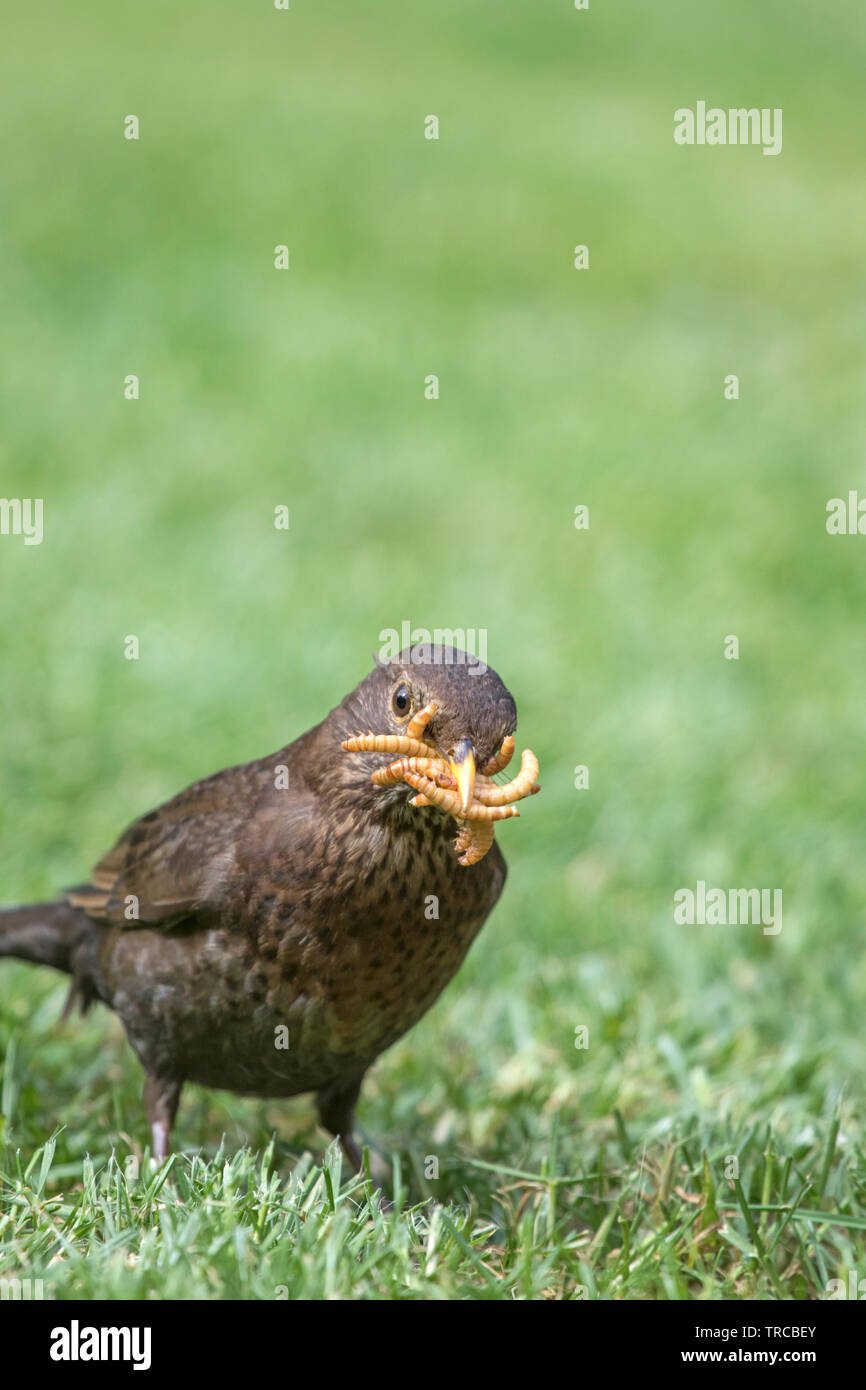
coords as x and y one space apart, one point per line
55 934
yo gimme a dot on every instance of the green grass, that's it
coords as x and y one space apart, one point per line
559 1169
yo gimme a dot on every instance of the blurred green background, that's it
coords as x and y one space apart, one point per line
558 388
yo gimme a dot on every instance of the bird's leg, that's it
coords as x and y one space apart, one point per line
336 1106
160 1097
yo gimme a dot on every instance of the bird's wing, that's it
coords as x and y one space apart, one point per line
176 858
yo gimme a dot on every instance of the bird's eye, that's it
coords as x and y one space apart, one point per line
401 701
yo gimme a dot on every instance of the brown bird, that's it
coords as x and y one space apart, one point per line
269 930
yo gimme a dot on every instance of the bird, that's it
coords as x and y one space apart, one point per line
275 927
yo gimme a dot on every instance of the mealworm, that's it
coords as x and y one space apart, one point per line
434 768
389 743
493 796
522 785
474 839
421 767
500 759
450 801
418 723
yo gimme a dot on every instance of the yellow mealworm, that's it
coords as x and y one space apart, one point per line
421 767
496 796
389 743
500 759
433 795
450 801
473 841
522 785
418 723
434 768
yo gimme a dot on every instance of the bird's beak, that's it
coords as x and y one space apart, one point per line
462 765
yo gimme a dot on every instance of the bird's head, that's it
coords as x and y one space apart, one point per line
474 710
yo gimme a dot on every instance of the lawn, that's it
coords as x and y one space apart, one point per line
709 1142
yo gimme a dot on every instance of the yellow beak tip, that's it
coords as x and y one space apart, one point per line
463 772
